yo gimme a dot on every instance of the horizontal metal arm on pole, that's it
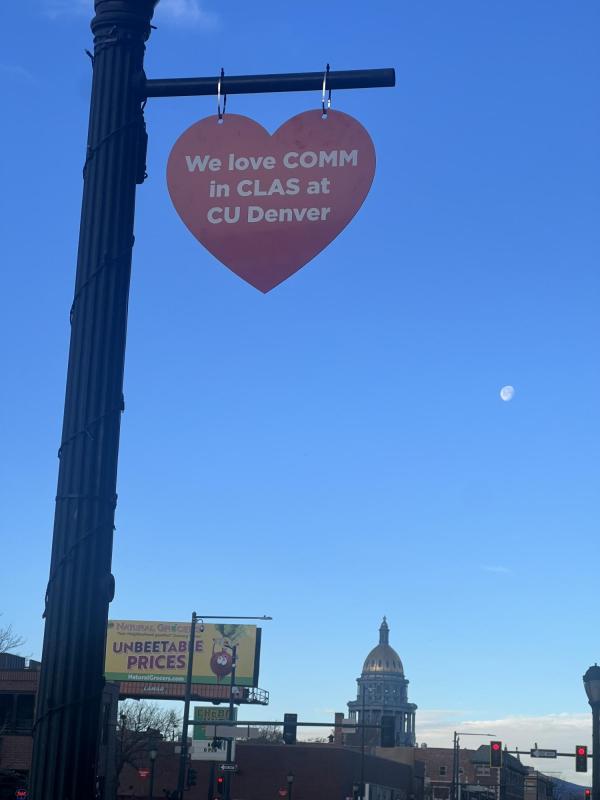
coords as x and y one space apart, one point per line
254 84
528 754
244 723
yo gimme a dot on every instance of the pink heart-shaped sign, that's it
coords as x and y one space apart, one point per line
265 205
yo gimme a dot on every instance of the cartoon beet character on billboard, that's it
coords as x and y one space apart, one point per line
221 661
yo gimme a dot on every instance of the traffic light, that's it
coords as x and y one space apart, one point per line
495 754
289 728
581 758
588 794
192 777
220 785
388 731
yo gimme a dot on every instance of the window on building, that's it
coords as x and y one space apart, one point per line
441 792
481 770
460 770
6 707
443 770
25 703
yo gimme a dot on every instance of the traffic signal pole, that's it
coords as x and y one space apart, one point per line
80 585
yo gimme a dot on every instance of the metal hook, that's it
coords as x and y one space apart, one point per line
219 112
326 110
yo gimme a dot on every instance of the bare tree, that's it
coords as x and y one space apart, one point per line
268 734
140 726
9 640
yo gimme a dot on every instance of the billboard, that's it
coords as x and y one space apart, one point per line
157 652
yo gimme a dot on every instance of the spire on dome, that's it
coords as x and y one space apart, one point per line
384 632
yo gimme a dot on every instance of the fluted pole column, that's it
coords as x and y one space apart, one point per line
80 585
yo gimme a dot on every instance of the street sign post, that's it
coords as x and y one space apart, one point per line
537 753
228 767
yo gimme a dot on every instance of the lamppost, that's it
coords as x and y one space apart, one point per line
591 681
455 758
183 757
152 753
290 783
233 649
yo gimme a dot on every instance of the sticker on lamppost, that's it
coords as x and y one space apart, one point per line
265 205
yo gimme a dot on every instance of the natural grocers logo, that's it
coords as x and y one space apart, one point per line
150 628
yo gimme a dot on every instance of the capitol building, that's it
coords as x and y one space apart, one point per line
383 690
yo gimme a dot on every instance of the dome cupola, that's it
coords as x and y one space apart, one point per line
383 657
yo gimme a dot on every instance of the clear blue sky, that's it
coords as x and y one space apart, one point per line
337 449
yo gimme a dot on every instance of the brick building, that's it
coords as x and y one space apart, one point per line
321 772
476 779
18 688
537 785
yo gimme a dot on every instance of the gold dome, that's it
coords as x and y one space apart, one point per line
383 658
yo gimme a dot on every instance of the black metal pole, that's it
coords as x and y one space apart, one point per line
80 587
595 751
230 740
362 747
183 758
211 781
255 84
455 742
151 790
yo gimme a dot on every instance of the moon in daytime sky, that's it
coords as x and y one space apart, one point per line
507 393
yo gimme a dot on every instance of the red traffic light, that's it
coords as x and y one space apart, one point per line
581 757
588 792
220 780
495 753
